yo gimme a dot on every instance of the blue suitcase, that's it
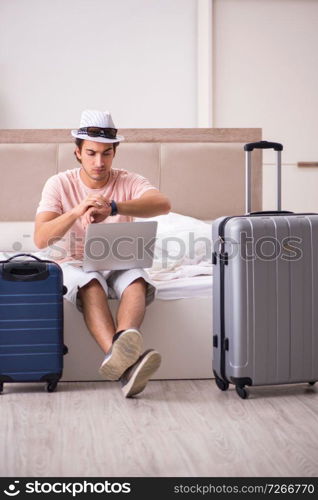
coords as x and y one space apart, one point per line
31 321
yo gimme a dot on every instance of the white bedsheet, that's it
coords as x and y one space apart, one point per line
184 288
180 271
182 282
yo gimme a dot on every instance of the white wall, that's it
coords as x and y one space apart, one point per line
150 61
266 75
137 58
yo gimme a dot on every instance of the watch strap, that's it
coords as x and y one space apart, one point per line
114 209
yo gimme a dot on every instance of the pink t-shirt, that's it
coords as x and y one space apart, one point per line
65 190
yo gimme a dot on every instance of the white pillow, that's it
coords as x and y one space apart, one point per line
181 240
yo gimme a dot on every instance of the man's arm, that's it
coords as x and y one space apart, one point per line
51 226
150 204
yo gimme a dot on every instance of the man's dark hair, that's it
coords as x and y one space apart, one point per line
79 144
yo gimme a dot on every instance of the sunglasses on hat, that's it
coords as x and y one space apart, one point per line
108 133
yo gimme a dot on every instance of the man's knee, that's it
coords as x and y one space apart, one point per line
137 285
93 284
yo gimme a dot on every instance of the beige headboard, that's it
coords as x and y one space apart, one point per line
201 170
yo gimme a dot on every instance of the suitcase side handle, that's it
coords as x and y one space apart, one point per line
263 145
32 256
28 272
248 148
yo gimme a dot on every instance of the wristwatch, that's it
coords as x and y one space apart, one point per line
114 208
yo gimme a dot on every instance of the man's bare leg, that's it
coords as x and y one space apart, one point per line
126 350
132 306
97 315
130 314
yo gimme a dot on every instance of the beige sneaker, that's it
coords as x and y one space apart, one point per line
125 351
135 378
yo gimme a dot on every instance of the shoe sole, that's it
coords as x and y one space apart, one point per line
125 352
140 377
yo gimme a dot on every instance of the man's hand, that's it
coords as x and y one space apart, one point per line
92 201
94 215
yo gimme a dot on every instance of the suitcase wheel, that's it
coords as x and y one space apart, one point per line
241 392
222 385
51 386
312 382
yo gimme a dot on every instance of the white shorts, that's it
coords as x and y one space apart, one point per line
113 282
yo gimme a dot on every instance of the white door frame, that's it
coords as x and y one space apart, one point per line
204 63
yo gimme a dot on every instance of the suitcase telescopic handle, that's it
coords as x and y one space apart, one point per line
248 148
263 145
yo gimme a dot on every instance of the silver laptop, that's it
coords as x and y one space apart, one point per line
119 245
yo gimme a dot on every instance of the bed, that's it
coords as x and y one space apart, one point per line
202 172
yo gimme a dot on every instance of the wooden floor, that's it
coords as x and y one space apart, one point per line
175 428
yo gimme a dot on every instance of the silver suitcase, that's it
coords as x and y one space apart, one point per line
265 294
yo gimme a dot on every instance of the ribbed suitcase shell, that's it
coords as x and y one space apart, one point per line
31 322
265 300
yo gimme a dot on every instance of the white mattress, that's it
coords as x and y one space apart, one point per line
184 288
173 289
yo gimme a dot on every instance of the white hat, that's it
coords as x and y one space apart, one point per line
99 119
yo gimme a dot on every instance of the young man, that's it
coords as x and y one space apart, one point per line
98 193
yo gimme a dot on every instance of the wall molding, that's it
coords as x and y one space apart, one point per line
241 135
